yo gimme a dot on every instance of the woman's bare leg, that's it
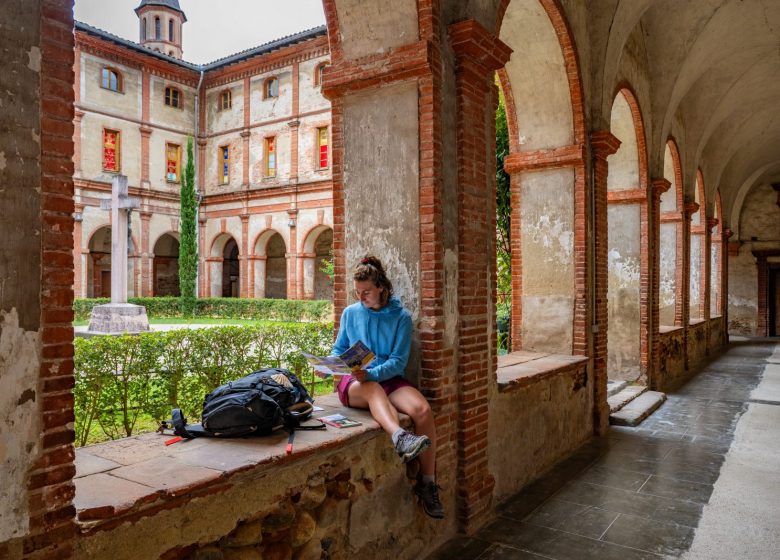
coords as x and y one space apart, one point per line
410 401
372 396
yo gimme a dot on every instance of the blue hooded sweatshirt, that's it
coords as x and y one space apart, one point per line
387 332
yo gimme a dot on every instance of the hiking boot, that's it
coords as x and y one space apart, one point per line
429 497
410 446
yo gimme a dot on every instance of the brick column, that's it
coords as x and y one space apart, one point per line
762 328
203 287
603 145
726 234
478 55
79 290
292 256
243 285
79 115
689 209
147 282
659 187
146 133
201 171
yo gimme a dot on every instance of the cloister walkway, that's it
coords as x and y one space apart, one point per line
699 479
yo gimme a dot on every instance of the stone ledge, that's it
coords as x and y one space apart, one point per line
667 329
123 480
522 369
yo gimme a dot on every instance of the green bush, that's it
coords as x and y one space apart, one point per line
122 380
289 310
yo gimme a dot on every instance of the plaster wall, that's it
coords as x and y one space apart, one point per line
669 198
182 118
92 126
538 76
261 109
623 292
547 239
668 274
375 27
310 96
125 103
257 154
624 164
698 345
534 427
381 192
219 120
696 278
213 155
743 292
20 260
755 220
157 160
308 149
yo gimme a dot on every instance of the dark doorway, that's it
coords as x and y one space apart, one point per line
773 299
230 270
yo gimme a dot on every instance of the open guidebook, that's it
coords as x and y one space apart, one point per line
357 357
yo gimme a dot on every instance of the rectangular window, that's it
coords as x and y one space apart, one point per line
270 157
111 147
224 161
172 163
322 143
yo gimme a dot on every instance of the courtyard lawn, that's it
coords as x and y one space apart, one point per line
198 321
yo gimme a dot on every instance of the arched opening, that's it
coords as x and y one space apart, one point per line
671 255
697 301
546 195
165 266
276 268
231 269
224 272
157 28
627 242
318 264
98 263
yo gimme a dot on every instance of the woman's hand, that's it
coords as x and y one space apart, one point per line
360 375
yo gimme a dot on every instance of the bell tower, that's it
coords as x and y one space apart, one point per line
160 26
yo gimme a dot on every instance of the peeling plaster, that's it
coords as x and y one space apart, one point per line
34 56
19 421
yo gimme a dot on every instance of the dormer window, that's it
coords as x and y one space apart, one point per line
271 88
111 80
173 97
318 73
225 100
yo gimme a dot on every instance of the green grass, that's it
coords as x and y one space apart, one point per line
197 321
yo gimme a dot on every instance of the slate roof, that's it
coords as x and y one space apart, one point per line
172 4
265 48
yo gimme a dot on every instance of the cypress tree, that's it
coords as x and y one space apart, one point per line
188 247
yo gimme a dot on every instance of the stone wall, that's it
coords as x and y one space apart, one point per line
671 360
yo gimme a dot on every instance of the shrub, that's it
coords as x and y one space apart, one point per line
288 310
121 379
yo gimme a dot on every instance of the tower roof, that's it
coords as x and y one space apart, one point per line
172 4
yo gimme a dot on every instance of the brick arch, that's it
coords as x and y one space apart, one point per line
700 262
172 233
310 237
260 244
217 246
627 91
672 243
679 193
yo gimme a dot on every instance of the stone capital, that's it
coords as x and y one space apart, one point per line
727 233
294 124
711 223
690 208
604 144
146 131
246 133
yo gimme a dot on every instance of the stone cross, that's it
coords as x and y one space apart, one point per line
120 205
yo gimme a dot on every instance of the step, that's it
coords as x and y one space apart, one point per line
638 409
625 396
614 387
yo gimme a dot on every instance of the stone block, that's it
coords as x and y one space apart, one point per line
313 496
312 550
207 553
118 318
247 534
637 410
303 530
243 553
278 551
280 518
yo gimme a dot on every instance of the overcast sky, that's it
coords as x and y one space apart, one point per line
214 28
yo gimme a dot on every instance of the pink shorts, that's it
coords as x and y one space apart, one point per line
392 384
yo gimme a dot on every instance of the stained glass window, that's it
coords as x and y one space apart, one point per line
225 164
270 157
111 146
322 141
172 162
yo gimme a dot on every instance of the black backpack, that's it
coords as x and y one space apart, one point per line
258 404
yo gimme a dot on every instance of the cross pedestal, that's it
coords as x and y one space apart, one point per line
119 316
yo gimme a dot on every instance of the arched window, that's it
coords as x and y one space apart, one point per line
271 88
225 100
170 30
143 29
111 79
173 97
318 73
157 28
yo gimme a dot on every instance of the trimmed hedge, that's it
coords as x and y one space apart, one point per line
121 380
289 310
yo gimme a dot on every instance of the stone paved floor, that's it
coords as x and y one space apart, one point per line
638 494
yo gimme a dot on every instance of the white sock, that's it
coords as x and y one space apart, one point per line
396 435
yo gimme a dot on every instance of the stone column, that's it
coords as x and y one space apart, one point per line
603 145
258 264
659 187
308 274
